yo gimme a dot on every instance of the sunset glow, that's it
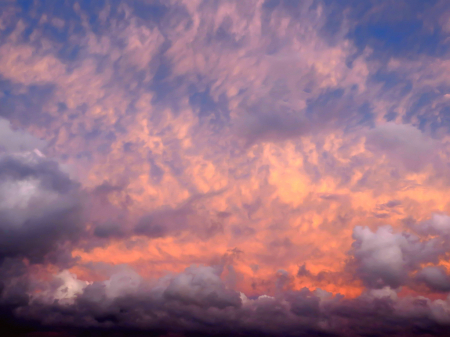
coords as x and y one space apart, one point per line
225 168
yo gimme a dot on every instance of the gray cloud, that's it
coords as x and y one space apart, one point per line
198 302
40 207
439 224
384 258
404 145
17 140
161 223
192 216
203 287
435 278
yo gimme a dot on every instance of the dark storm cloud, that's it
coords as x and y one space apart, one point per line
40 207
40 218
197 302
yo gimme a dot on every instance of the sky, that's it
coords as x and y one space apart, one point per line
185 168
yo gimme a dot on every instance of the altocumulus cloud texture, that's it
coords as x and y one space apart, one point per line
224 168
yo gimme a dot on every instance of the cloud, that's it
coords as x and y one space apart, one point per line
196 301
439 224
203 287
403 145
70 287
191 217
252 137
17 140
109 229
162 223
385 258
435 278
39 206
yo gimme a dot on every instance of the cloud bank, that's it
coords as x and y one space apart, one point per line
184 168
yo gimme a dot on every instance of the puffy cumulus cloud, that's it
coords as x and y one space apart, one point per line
384 258
196 301
62 287
203 287
435 278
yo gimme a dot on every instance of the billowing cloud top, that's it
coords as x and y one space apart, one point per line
248 168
